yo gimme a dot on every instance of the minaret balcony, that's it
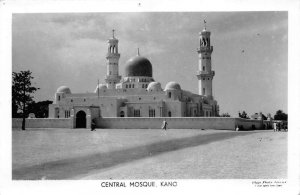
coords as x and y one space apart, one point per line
205 73
112 78
112 55
205 49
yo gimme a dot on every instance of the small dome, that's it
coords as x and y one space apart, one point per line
138 66
63 89
100 87
172 86
154 86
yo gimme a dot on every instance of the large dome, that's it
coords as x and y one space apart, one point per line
63 89
138 66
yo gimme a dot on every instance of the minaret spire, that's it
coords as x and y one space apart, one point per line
113 33
112 75
205 73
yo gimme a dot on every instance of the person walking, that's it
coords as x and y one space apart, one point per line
93 125
164 126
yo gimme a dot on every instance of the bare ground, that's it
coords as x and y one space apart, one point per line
148 154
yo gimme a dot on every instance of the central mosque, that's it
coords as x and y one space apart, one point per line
137 94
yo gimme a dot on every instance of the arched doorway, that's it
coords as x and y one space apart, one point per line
122 114
169 114
81 119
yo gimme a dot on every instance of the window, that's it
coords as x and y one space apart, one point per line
151 112
136 113
59 98
203 90
169 94
203 68
67 113
169 114
71 100
126 86
203 79
207 78
132 85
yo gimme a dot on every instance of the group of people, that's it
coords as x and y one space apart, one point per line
279 126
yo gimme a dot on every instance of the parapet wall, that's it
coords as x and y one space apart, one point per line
43 123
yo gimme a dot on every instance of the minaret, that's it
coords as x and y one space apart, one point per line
205 74
112 64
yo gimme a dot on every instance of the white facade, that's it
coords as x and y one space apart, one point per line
137 94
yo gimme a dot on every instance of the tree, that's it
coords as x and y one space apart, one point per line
21 93
280 115
243 115
40 109
225 115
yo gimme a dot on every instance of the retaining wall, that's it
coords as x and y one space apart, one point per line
43 123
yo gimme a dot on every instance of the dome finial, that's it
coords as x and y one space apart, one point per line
113 33
204 24
138 51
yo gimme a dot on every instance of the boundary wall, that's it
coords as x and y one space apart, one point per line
225 123
43 123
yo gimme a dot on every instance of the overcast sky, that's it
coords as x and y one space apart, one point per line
69 49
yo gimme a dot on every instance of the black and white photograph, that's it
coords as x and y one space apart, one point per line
149 99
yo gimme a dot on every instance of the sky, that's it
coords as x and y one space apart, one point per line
250 56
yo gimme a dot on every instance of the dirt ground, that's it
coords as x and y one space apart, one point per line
148 154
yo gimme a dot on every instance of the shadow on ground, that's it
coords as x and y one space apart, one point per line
68 168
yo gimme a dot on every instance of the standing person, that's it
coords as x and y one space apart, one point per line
275 127
93 125
164 126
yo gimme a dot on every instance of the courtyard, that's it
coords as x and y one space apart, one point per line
148 154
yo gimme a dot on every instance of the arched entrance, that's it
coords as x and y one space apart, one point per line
122 114
81 119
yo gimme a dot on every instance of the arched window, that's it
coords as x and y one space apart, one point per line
169 114
169 94
122 114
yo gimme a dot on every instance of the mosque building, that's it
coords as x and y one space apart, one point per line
137 94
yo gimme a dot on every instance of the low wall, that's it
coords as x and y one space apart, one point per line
226 123
249 123
173 123
43 123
